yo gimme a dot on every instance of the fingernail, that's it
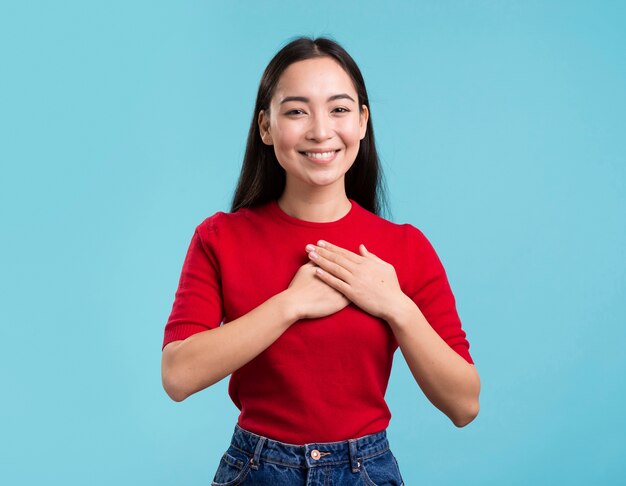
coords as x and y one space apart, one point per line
321 243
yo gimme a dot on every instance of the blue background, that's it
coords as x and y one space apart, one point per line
502 135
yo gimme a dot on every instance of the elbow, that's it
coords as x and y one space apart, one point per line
174 393
467 415
470 405
172 387
171 380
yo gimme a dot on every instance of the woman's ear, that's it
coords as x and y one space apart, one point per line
363 118
264 128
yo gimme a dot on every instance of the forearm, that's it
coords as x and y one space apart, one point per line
207 357
447 379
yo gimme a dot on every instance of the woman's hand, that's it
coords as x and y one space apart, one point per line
366 280
311 297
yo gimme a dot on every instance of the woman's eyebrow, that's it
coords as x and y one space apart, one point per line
306 100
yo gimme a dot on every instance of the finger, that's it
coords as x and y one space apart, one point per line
338 249
336 258
366 253
337 269
334 282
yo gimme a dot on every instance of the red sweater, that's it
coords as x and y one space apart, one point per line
322 380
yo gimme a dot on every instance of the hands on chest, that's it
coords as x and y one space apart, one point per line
335 276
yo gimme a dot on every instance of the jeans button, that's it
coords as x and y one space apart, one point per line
315 454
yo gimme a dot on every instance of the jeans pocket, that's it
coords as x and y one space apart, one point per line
233 468
382 470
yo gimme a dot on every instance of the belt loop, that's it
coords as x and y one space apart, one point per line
254 462
355 461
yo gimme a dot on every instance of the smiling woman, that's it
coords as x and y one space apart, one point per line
315 126
303 292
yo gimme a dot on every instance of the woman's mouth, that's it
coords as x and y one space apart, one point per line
320 156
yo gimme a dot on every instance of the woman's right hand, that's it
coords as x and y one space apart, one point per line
312 297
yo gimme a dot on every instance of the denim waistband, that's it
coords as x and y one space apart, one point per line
351 451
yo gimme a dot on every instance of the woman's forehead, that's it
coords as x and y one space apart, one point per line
318 77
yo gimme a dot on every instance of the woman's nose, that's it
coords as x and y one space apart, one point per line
320 128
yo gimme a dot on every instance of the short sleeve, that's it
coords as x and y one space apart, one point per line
198 304
430 290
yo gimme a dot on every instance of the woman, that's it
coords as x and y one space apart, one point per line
316 291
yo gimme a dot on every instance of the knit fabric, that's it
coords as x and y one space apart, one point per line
322 380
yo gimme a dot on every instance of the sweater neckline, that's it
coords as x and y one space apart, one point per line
347 218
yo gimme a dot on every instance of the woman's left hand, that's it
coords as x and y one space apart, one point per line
368 281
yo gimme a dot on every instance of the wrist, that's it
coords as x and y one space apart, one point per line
400 311
289 305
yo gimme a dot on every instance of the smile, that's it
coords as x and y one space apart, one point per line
324 156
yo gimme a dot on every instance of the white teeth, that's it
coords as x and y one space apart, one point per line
323 155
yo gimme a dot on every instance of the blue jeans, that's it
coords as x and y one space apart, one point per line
254 459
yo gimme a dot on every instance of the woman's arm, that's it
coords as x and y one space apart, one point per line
206 357
447 379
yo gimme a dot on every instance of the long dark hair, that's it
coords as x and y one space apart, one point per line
262 179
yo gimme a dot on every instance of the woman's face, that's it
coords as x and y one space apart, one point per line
314 123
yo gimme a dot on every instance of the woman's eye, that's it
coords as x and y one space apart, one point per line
296 111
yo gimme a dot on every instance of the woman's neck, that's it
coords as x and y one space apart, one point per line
318 208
